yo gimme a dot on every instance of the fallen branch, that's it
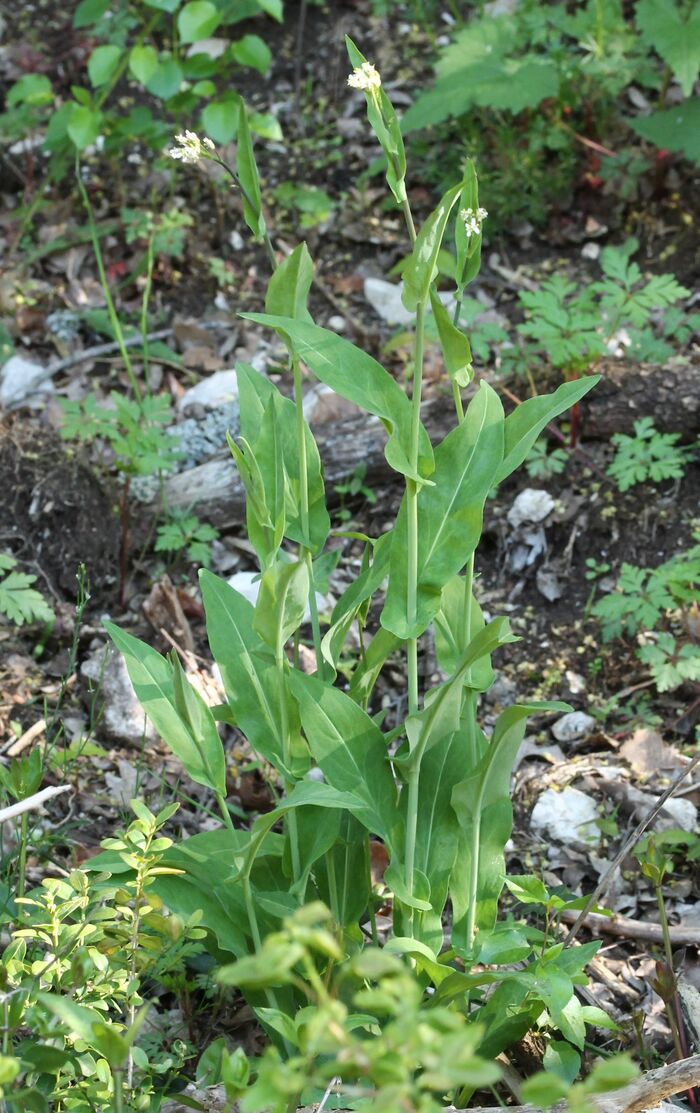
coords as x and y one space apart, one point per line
32 803
646 1092
647 932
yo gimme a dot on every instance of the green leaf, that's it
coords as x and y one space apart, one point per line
19 601
89 12
175 708
282 601
103 63
197 20
143 63
220 119
33 89
252 51
468 248
524 425
250 676
350 751
456 350
255 393
358 377
449 514
484 811
676 129
385 125
163 5
288 289
456 623
247 169
673 31
84 126
421 266
167 79
272 8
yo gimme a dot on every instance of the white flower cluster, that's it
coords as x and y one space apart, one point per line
364 77
473 220
191 147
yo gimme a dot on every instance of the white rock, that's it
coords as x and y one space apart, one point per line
577 724
213 48
20 380
247 584
214 391
385 299
337 323
122 718
681 813
530 506
590 250
567 817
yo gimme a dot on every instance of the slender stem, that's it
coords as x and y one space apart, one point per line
333 886
22 864
225 813
304 510
291 818
459 406
408 216
118 1076
372 913
412 600
144 306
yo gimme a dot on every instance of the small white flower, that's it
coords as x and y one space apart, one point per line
472 221
365 77
191 148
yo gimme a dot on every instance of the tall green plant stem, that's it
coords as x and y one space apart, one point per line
412 489
281 663
22 863
304 511
668 952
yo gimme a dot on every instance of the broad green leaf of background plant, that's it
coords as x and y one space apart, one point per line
288 289
252 51
197 20
482 804
475 69
102 63
282 601
450 513
19 601
84 125
673 31
220 118
351 752
250 677
421 266
347 892
167 79
358 377
676 129
143 62
177 711
88 12
524 425
386 127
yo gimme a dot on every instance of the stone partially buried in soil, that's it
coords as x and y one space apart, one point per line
121 716
568 817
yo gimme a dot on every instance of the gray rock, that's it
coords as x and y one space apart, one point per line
503 691
215 390
571 727
122 718
23 382
568 817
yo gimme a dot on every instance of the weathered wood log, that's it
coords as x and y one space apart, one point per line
628 391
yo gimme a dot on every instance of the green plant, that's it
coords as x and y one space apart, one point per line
573 328
184 533
648 455
431 787
313 205
154 52
543 464
533 92
351 488
20 602
647 603
82 950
